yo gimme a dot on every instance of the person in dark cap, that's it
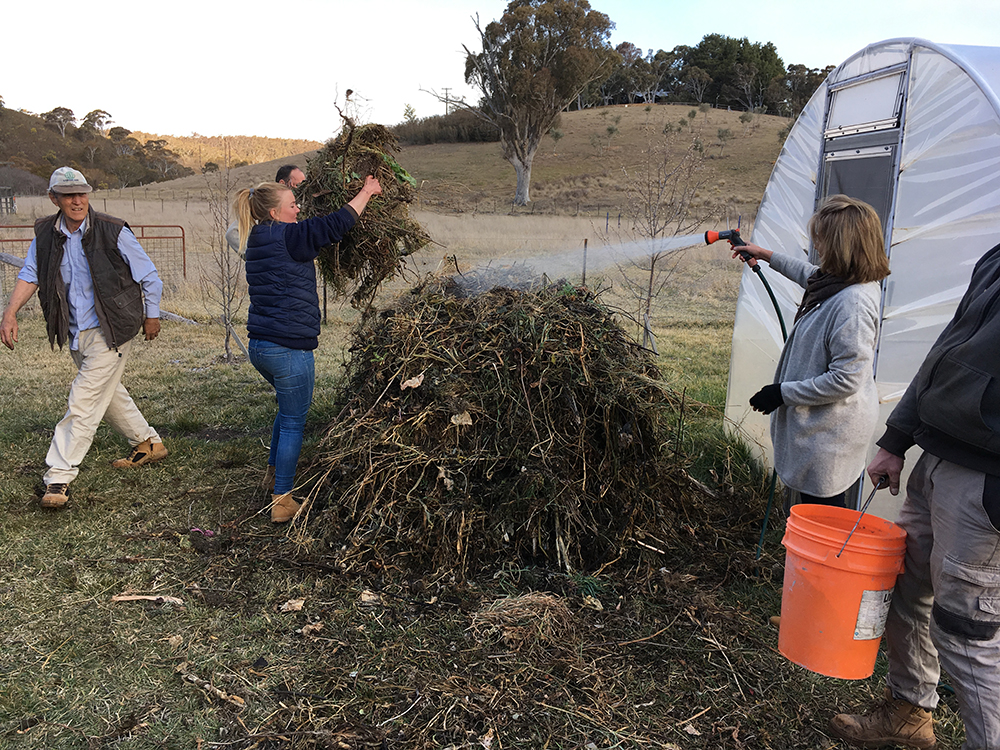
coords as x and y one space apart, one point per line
97 289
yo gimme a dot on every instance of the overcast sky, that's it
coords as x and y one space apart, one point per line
277 69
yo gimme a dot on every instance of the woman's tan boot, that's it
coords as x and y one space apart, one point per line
283 508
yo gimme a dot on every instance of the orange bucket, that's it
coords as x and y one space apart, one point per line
833 609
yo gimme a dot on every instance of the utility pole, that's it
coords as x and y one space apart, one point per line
446 90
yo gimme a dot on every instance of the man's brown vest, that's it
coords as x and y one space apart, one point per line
117 296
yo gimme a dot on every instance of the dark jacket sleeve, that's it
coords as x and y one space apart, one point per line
305 238
905 422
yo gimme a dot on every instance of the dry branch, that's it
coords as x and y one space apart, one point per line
373 250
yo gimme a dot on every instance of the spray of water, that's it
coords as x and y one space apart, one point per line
569 264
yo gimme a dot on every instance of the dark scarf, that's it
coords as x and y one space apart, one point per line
819 288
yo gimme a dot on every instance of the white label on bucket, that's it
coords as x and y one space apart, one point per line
872 614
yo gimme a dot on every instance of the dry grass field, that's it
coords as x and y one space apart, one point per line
587 171
252 638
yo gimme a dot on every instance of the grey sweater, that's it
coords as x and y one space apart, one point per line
822 432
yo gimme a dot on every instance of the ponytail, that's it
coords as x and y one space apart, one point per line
254 205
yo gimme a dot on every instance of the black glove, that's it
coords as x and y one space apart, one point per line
767 399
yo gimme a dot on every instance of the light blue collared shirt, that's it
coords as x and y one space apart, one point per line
80 287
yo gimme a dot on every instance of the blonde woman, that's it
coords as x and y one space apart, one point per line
284 317
823 402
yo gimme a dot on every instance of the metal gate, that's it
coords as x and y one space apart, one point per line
164 243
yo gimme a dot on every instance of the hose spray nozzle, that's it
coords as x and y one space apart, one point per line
733 236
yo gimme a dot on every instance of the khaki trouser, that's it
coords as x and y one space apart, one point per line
946 605
96 394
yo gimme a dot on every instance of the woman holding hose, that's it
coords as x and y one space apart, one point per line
823 402
284 318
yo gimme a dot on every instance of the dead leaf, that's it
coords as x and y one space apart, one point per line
463 419
689 728
147 598
175 642
312 627
443 476
293 605
592 602
413 382
370 598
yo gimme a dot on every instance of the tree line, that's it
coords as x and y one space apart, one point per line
115 157
109 155
719 70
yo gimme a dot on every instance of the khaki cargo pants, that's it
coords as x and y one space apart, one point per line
946 604
96 393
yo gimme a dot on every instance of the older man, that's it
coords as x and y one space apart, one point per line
97 289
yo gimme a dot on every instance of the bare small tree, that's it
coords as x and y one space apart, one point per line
660 210
223 282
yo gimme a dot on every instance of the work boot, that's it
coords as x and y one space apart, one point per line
268 482
56 496
893 722
283 508
145 452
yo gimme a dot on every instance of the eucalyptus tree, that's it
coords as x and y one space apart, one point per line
535 60
60 118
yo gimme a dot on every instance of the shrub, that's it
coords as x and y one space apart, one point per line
460 126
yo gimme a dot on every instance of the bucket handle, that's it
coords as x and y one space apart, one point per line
882 481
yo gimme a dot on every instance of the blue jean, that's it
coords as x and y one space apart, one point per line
292 373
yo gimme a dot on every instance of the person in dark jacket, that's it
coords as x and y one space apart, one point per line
284 318
945 608
97 289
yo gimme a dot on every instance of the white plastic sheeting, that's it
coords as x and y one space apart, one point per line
945 215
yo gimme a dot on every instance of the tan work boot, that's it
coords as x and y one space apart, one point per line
56 496
283 508
145 452
268 482
893 722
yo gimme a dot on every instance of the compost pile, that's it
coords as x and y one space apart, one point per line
373 251
496 426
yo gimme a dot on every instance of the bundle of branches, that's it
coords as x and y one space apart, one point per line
504 425
374 249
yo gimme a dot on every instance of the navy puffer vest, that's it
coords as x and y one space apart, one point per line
284 306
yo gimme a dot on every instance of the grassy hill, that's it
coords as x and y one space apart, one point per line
585 172
196 150
590 171
30 146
